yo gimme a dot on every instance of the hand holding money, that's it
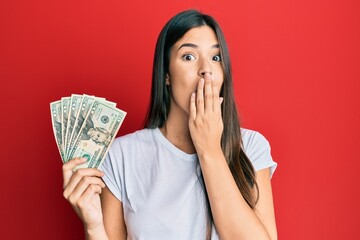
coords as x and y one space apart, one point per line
85 126
82 189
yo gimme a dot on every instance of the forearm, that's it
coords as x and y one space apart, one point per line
233 217
98 233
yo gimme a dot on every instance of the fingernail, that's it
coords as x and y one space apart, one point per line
221 100
202 80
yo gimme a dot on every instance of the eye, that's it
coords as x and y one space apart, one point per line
188 57
216 58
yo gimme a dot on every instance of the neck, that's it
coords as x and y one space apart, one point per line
176 130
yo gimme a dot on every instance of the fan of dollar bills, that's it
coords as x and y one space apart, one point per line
85 126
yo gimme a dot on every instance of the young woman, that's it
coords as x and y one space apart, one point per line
192 173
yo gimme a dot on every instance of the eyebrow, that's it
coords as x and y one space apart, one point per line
196 46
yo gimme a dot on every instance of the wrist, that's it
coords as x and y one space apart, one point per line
212 155
95 232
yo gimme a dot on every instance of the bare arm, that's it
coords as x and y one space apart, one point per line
113 214
265 206
233 217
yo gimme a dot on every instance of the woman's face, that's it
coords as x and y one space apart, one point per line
191 57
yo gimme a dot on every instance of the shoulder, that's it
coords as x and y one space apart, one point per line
252 139
257 149
139 137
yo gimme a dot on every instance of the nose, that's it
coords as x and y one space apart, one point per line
205 68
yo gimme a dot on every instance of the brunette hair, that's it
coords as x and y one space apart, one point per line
231 141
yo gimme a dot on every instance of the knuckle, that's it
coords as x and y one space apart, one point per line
86 180
97 181
80 204
198 122
64 167
66 195
72 200
80 172
92 187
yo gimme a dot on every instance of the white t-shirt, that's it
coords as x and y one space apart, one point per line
159 185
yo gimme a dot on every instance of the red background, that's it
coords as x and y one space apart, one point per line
297 78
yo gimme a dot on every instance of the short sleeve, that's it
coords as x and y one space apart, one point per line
113 170
258 150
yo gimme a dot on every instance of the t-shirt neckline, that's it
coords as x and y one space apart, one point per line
183 155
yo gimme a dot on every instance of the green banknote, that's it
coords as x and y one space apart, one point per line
55 108
75 104
85 126
97 133
65 105
84 110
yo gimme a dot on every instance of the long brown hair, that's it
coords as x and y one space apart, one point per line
231 141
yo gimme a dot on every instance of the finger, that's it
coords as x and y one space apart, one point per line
83 185
192 107
77 177
86 198
68 167
216 99
208 93
218 105
200 98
